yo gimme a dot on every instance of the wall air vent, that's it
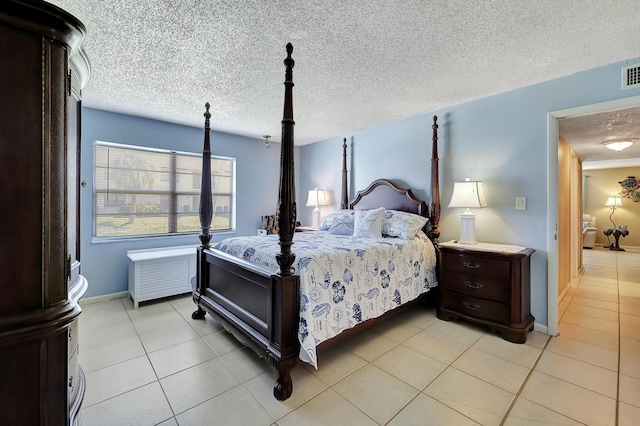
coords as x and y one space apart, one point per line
630 76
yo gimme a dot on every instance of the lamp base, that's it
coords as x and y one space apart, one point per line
316 217
467 228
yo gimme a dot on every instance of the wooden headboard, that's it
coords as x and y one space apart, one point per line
384 193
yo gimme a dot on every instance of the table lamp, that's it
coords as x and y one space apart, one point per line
468 194
316 198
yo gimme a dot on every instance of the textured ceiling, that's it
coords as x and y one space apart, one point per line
586 133
359 63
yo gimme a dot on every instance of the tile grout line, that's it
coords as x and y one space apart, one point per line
619 344
538 359
450 365
524 382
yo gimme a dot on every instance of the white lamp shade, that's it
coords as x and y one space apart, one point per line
469 194
316 198
613 202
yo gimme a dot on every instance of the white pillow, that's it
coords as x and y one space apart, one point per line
368 223
339 223
403 225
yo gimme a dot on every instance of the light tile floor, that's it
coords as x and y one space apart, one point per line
156 365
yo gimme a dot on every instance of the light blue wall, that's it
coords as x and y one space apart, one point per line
501 140
105 265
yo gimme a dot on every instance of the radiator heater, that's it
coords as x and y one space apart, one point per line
163 272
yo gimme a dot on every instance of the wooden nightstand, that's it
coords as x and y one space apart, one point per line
487 284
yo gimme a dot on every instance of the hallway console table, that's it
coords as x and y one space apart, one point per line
617 233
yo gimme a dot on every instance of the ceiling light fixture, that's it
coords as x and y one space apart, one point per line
619 144
267 145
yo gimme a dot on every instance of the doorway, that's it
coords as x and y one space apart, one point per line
555 192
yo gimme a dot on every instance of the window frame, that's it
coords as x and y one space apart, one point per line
173 194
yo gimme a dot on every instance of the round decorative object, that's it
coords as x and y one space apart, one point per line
631 188
630 182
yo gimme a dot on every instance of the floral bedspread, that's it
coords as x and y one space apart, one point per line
344 280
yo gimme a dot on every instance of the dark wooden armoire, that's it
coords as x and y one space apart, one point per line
41 74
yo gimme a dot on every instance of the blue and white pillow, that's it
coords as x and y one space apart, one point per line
403 225
368 223
339 223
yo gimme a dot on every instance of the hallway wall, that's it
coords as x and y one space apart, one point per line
564 215
603 183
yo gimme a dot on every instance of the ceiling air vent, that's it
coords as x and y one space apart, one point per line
631 77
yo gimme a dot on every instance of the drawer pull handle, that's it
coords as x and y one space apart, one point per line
476 286
470 306
471 266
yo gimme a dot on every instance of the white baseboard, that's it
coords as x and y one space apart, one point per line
564 293
104 298
541 328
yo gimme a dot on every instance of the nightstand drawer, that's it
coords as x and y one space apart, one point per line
477 265
478 308
483 287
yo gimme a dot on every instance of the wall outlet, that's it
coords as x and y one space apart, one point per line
521 203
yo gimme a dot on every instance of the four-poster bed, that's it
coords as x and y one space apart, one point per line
265 305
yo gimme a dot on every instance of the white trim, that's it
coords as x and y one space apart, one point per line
610 164
552 224
552 195
157 150
565 291
541 328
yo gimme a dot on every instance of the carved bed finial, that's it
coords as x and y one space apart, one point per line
289 62
207 117
205 210
345 196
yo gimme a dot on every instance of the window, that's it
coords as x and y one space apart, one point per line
143 191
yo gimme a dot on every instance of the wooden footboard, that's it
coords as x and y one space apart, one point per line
259 308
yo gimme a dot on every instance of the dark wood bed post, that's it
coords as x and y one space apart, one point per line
205 212
287 196
345 196
206 203
434 209
286 284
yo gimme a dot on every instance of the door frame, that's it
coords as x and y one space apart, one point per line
552 195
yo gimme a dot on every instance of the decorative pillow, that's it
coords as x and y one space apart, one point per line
339 223
403 225
368 223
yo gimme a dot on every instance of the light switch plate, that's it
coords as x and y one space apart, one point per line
521 203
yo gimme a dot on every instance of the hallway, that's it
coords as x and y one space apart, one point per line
596 357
